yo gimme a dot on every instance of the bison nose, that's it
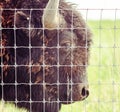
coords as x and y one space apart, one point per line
84 93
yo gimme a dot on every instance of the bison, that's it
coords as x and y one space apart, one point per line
44 54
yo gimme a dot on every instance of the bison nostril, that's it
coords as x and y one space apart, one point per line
85 92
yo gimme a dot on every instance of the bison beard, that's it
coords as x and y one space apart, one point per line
29 72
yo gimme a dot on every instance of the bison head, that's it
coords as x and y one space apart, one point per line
51 56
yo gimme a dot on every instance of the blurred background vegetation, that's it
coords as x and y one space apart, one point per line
103 72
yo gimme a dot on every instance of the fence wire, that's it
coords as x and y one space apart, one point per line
103 70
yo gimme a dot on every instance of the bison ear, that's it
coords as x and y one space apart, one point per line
21 19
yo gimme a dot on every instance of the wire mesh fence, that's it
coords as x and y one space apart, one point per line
42 69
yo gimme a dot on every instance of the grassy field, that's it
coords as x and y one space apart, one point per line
103 72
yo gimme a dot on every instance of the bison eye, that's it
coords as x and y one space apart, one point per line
21 15
28 18
67 44
22 20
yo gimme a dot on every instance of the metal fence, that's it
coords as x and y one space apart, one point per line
103 70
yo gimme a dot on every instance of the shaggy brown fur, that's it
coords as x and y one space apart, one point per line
28 86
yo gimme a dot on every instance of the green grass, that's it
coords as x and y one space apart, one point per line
7 107
103 72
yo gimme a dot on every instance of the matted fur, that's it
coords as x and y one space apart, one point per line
23 84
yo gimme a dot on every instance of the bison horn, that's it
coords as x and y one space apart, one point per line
51 17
